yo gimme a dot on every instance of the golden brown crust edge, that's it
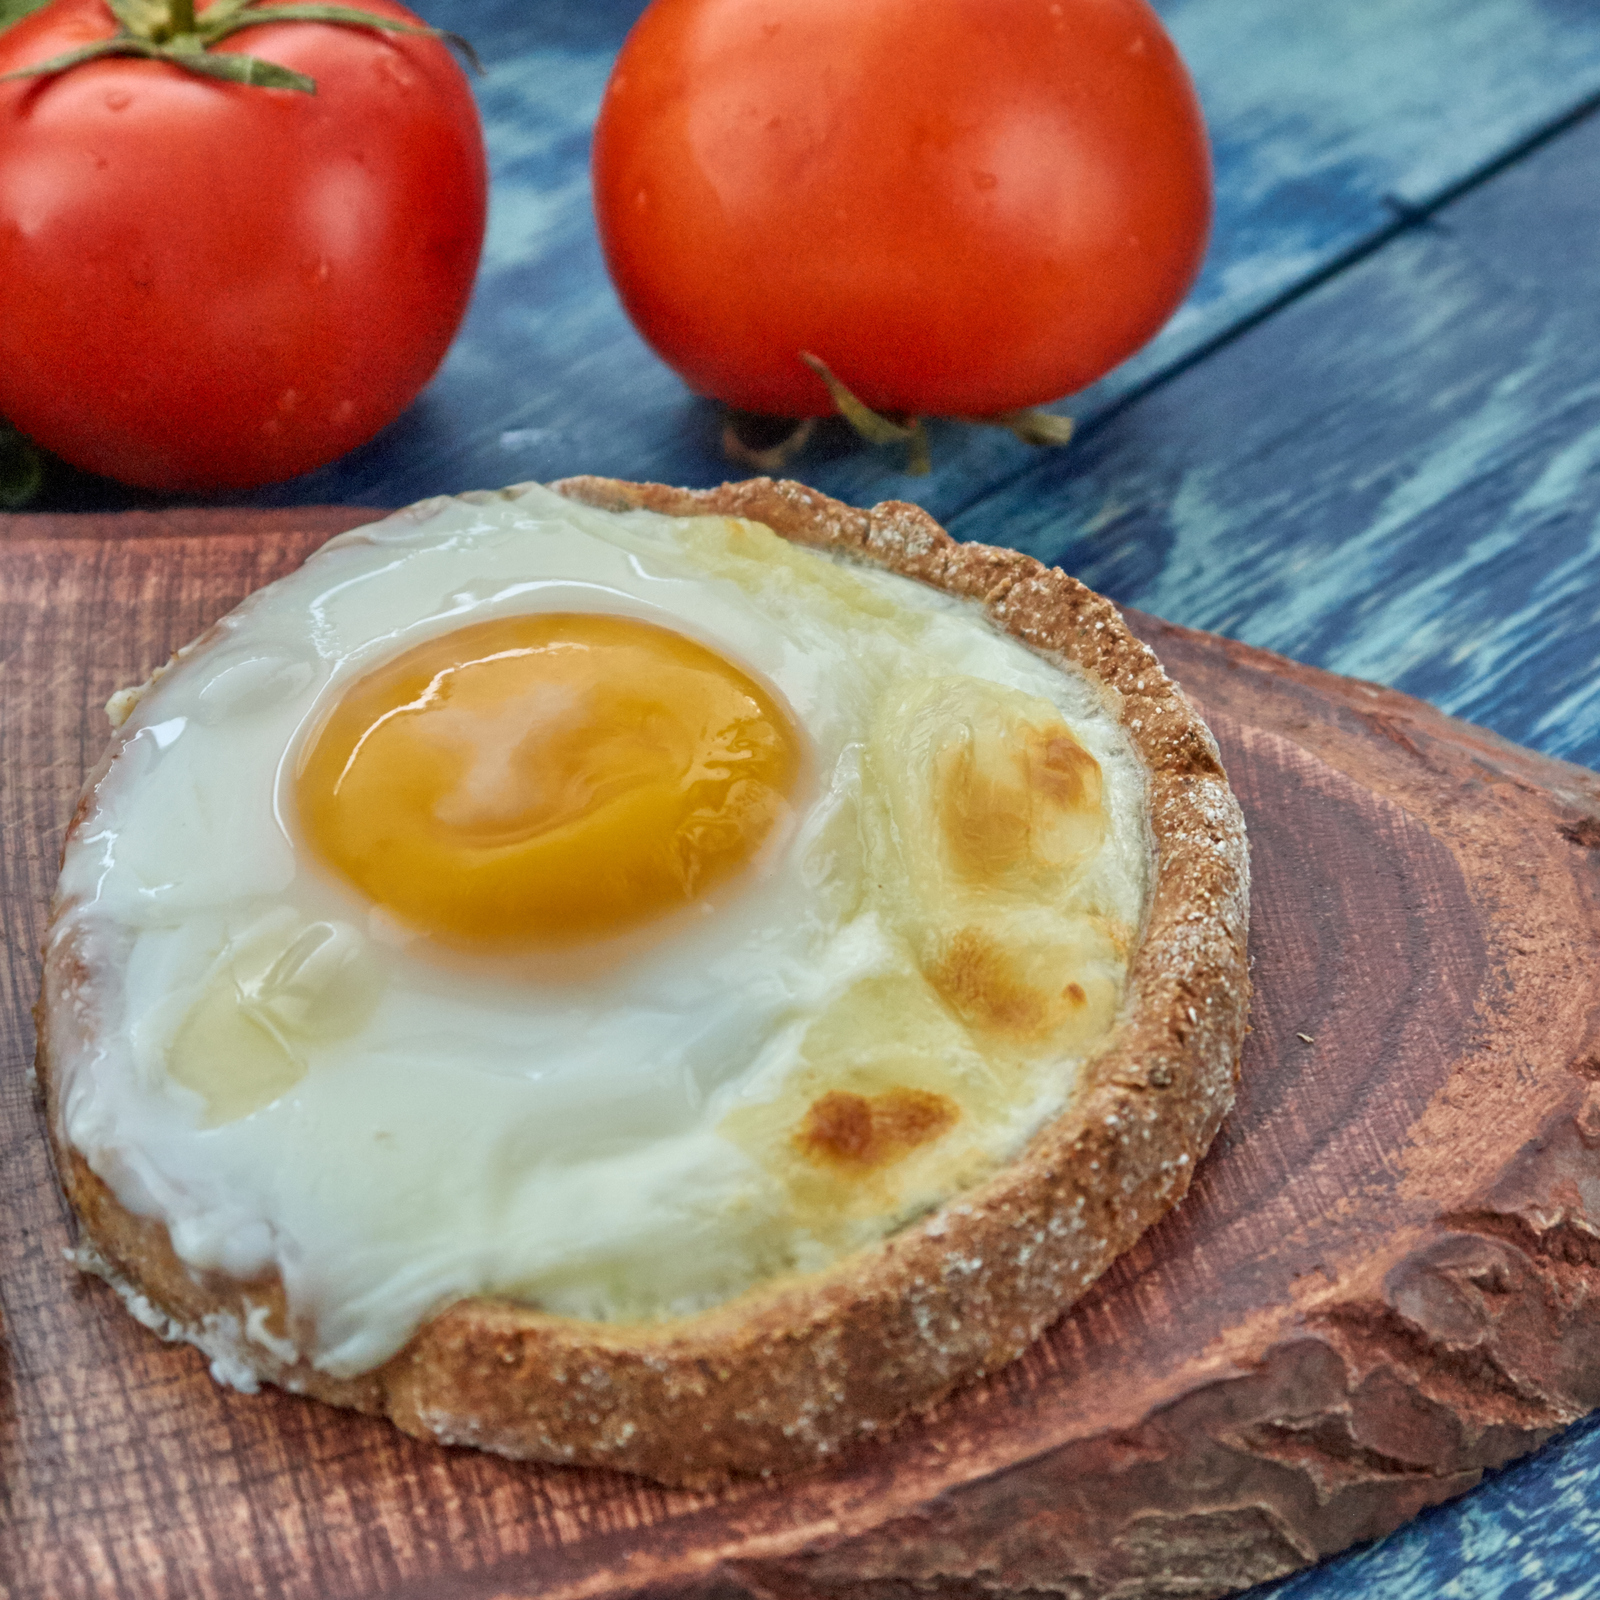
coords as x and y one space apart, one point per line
793 1371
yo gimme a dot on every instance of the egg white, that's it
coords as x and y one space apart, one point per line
557 1136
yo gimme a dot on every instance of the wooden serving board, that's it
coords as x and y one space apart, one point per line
1385 1280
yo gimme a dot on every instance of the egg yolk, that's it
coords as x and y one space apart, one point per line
538 781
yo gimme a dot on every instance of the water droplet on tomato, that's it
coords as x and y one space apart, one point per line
117 99
395 70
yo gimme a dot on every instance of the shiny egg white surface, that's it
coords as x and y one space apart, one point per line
612 912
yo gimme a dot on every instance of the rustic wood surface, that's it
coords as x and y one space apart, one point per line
1384 1282
1334 127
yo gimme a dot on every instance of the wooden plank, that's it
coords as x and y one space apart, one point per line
1398 477
1318 114
1378 1287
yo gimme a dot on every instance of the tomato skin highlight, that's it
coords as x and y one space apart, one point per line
963 207
206 285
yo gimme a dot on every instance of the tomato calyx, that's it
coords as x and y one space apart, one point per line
21 468
771 443
764 444
1042 429
172 30
872 425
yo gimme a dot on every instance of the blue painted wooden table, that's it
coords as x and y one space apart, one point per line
1371 439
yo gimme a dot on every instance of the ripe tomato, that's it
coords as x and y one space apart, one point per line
207 284
963 207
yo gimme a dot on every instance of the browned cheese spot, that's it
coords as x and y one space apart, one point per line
977 980
861 1132
999 790
1076 993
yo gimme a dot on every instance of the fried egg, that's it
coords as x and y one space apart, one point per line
611 912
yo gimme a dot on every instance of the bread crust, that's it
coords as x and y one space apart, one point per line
794 1370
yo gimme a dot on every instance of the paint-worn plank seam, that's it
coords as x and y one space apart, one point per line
1407 216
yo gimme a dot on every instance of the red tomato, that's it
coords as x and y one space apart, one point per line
963 207
206 285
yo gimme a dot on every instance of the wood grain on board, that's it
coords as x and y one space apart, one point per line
1383 1282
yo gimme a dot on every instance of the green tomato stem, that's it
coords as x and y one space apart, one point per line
169 30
